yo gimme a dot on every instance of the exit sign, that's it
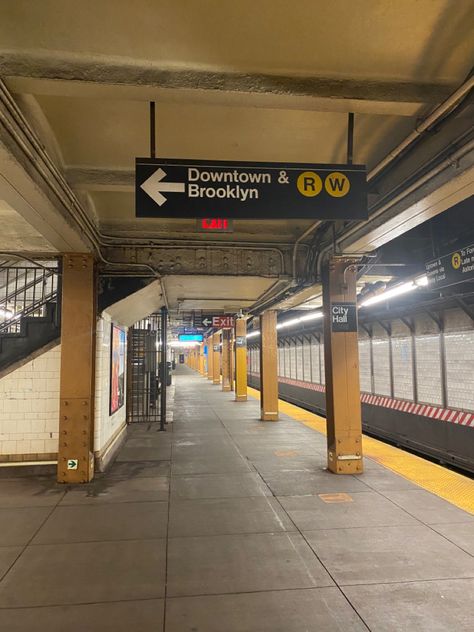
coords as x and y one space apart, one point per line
214 225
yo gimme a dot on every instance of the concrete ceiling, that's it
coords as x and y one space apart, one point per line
138 305
257 81
17 234
224 293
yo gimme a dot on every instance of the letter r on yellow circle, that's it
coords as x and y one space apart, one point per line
309 184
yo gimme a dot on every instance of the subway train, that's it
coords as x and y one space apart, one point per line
416 382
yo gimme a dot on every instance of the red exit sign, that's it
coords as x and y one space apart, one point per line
214 225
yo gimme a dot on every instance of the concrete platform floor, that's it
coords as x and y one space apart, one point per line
218 525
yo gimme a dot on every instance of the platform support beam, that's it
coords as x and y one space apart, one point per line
210 358
341 358
202 370
226 360
268 367
216 358
76 404
232 359
241 360
205 350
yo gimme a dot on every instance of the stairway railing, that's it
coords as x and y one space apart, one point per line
25 291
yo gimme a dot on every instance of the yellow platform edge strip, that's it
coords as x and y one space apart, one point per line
451 486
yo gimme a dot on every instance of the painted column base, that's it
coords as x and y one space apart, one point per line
269 417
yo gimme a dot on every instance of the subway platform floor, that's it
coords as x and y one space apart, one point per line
228 524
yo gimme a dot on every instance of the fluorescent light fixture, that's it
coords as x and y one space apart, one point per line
422 281
292 322
312 316
178 344
404 288
252 334
288 323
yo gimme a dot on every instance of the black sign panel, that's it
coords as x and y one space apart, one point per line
343 317
243 190
240 341
454 268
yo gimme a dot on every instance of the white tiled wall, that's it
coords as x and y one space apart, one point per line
365 366
428 369
402 367
460 369
29 402
29 407
381 366
306 362
106 425
459 341
315 370
299 360
287 361
293 361
323 370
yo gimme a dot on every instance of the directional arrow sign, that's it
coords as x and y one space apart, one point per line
205 189
218 321
154 187
72 464
226 322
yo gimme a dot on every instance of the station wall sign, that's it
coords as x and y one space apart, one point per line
454 268
201 189
190 337
343 317
219 322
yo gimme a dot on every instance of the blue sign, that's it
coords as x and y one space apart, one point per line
190 337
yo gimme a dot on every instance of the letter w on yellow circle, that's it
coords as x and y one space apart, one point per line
309 183
337 184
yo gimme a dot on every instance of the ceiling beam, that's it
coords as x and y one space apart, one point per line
97 179
67 74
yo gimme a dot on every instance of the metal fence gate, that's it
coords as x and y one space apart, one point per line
144 344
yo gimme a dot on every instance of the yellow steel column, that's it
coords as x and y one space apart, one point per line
341 359
76 403
205 350
226 360
268 367
210 357
201 359
216 358
241 360
232 359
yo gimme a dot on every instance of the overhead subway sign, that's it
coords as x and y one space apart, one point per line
244 190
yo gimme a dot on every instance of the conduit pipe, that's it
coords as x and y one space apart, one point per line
416 185
97 238
420 129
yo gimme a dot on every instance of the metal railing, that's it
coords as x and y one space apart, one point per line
144 385
25 291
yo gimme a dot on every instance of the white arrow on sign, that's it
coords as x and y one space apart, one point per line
154 187
206 322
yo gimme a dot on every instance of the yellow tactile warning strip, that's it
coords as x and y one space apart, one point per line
453 487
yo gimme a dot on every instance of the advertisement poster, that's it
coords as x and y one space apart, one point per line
117 369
